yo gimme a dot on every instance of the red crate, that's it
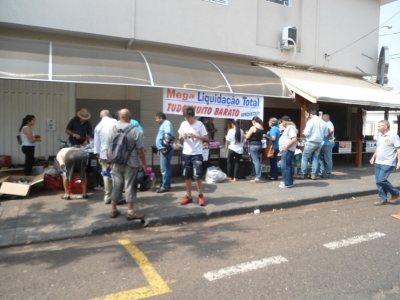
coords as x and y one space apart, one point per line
53 183
75 185
5 160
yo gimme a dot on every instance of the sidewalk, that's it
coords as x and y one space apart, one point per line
44 216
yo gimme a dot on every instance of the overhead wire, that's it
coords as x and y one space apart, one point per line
389 33
329 55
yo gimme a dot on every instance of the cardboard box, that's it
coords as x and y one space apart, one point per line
9 187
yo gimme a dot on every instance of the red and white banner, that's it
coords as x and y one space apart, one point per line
213 105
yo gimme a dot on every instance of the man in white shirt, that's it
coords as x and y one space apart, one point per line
192 133
386 157
287 146
101 133
315 131
325 156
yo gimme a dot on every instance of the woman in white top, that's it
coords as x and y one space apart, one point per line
234 149
28 139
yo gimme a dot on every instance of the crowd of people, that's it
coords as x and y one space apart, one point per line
282 136
193 134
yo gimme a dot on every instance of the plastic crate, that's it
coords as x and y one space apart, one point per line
75 185
53 183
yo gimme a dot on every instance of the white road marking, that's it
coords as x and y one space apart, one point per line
245 267
354 240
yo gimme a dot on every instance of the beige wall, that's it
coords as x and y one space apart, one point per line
96 17
105 92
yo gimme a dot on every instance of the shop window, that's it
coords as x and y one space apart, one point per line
287 3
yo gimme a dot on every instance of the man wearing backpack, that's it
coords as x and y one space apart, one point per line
125 154
131 121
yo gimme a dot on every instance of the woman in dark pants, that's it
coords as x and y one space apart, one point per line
254 136
234 148
273 136
28 139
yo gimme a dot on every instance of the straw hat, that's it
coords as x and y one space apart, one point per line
83 114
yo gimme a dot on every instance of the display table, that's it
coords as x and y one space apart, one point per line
6 171
215 155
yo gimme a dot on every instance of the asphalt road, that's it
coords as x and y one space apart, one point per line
345 249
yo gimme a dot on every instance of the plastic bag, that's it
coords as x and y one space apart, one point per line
214 175
52 170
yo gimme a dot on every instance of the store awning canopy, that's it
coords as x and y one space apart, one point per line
53 61
326 87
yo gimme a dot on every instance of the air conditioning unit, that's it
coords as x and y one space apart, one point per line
289 34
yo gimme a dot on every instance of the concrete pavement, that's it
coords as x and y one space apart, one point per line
43 216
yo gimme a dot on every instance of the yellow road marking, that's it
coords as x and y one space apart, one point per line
157 286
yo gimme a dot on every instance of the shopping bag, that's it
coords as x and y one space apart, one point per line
19 139
269 151
214 175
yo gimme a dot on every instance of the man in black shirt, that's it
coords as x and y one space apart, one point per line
79 128
211 129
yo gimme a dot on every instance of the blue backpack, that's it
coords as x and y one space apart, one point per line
119 151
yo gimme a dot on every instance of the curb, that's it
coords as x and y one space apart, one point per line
102 227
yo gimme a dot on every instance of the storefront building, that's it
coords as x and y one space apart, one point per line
57 57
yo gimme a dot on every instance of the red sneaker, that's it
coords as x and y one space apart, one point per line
186 200
202 201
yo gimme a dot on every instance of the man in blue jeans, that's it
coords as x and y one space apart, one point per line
164 153
315 131
325 157
386 157
287 146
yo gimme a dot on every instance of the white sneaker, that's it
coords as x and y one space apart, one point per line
284 186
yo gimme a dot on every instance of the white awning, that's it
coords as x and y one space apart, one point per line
325 87
53 61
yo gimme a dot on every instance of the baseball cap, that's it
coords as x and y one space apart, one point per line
285 118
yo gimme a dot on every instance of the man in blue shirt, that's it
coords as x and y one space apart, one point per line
273 136
315 131
165 156
325 157
132 122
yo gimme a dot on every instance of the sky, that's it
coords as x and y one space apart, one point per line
391 38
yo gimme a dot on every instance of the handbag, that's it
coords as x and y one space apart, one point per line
19 139
269 152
